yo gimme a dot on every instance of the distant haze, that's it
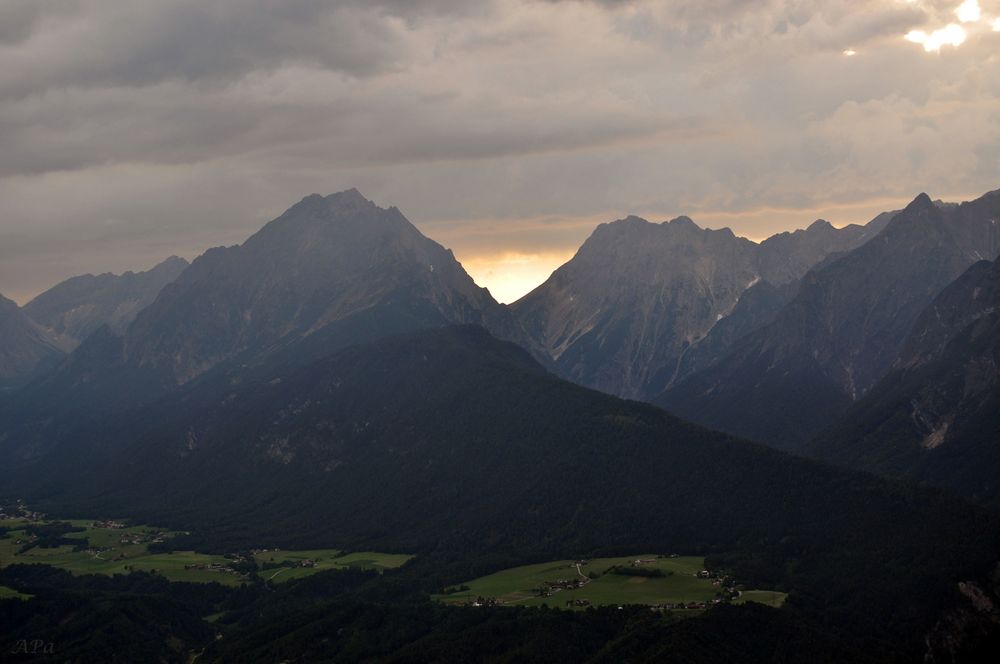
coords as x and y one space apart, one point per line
504 129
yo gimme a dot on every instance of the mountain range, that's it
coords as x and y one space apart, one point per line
76 307
622 314
35 338
789 379
329 272
773 341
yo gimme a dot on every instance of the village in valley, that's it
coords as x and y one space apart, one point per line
661 582
114 546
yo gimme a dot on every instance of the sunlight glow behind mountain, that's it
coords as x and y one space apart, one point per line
511 275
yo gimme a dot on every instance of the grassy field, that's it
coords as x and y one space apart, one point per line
10 593
323 559
108 554
518 586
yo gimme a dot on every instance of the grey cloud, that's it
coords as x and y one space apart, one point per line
130 131
168 125
19 19
727 27
146 42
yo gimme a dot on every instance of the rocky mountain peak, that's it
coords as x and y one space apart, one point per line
843 329
625 310
683 222
348 197
325 261
920 203
171 264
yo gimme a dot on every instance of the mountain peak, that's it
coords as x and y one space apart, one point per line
348 197
921 202
683 222
820 224
347 200
171 263
632 219
327 263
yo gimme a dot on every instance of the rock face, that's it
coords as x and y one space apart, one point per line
323 262
622 313
936 416
26 348
841 333
756 308
78 306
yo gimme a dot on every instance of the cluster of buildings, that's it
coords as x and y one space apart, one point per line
20 511
223 568
681 606
141 538
549 588
486 601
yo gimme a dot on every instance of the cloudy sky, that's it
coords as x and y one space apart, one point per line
504 129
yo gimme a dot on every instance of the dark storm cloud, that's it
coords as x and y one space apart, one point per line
143 43
167 125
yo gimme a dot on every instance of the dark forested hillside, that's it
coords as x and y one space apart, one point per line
458 447
355 616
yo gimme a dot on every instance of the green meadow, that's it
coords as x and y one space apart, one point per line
10 593
519 585
106 553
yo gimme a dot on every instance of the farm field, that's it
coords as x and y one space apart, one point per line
113 551
519 585
9 593
121 550
321 559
